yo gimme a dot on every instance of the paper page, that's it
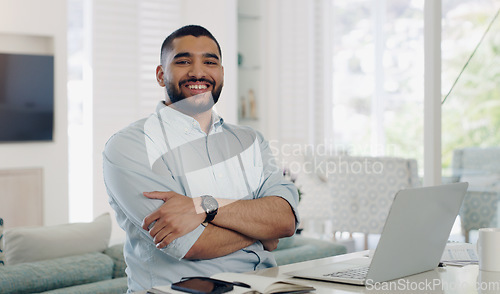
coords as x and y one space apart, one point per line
261 283
460 254
258 283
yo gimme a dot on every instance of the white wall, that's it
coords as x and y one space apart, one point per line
22 23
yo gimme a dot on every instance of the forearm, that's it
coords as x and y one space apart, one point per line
216 242
262 219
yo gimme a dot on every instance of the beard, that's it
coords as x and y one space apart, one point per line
194 104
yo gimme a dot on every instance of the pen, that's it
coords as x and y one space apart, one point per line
241 284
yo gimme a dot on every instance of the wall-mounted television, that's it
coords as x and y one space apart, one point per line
26 97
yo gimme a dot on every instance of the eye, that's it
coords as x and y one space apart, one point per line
181 62
211 62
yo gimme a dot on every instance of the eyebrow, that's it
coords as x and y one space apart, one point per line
187 54
211 55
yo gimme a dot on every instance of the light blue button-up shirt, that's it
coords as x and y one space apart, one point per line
168 151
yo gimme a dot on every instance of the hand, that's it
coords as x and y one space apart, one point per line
175 218
270 244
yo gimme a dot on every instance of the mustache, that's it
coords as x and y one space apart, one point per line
193 80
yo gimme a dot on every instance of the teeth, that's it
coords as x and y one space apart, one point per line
197 87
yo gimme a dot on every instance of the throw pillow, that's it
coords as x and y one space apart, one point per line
29 244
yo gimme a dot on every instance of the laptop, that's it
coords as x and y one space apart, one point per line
412 241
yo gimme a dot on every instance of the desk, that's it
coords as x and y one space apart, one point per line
450 279
456 280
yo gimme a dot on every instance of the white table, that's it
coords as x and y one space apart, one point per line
449 279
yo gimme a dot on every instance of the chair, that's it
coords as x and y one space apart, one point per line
357 192
480 167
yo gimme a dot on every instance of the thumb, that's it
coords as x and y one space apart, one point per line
157 195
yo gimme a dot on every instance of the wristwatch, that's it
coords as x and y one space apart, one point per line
210 206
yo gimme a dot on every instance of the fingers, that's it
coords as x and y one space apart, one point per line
158 230
161 238
150 219
164 234
167 239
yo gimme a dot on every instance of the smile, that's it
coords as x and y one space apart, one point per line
197 87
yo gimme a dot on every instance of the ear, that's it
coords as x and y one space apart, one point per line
160 75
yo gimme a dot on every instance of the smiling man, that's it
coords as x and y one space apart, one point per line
196 196
192 73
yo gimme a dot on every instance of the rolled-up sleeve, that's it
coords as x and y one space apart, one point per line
273 182
127 174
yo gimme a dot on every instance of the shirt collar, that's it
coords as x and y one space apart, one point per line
181 120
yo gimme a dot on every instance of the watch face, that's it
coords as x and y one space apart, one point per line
209 204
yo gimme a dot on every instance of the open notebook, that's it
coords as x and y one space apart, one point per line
257 284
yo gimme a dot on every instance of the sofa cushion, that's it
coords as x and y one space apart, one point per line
114 286
116 254
288 242
29 244
56 273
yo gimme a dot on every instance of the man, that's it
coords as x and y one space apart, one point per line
196 196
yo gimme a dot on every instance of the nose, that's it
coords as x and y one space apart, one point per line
196 70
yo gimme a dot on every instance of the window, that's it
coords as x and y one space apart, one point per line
378 78
471 111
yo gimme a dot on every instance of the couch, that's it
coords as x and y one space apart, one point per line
96 272
68 258
92 269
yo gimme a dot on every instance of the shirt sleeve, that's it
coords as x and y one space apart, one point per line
128 173
273 183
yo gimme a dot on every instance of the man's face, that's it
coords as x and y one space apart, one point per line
192 74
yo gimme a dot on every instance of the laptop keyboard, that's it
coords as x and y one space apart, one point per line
355 273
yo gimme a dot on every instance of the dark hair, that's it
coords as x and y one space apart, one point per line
189 30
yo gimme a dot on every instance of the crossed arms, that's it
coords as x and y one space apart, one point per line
237 225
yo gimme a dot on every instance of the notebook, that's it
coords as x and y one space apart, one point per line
412 241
